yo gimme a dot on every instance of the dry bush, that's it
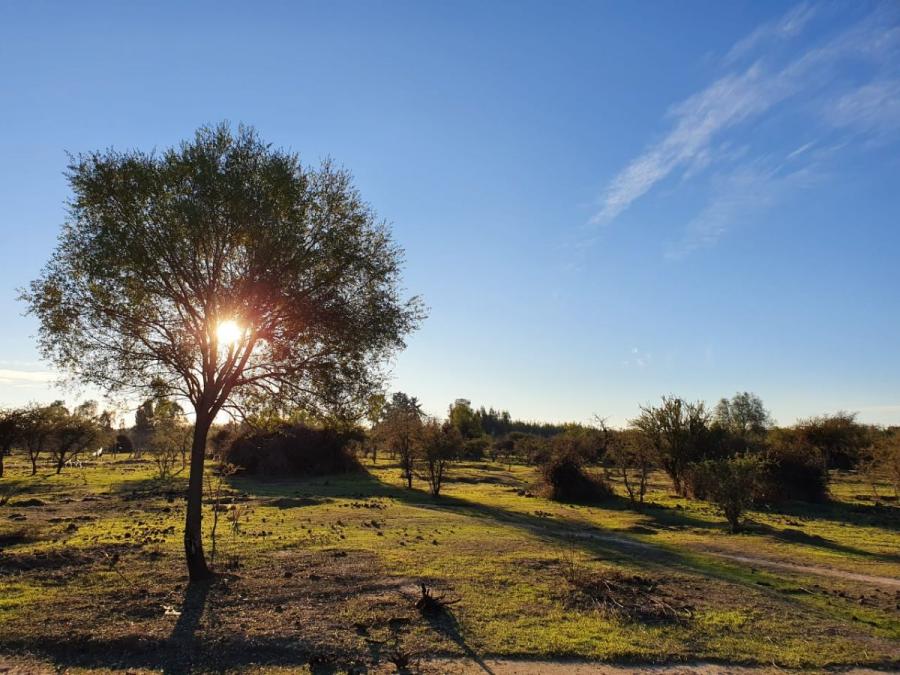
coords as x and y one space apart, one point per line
565 480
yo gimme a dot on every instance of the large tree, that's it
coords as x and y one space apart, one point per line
221 271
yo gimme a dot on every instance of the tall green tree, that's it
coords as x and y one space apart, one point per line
221 270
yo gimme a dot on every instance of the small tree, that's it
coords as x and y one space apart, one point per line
169 440
882 461
399 429
731 485
38 426
76 432
677 431
440 444
633 456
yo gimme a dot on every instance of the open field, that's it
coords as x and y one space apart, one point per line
323 574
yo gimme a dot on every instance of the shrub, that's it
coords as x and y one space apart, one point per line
794 470
730 484
565 480
296 450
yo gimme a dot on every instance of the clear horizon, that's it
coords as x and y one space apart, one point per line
599 203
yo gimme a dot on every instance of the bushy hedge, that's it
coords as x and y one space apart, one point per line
295 450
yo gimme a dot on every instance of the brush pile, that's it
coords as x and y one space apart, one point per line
629 598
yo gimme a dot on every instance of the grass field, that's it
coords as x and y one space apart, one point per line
323 575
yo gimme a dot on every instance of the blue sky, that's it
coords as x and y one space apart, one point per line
600 202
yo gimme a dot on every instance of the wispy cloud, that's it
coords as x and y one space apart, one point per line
700 135
14 377
786 27
873 107
738 197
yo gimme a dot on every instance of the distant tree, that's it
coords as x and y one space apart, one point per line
731 485
677 431
463 418
122 444
169 438
744 417
221 437
504 450
794 469
399 430
374 410
76 432
12 431
39 426
881 461
440 444
839 437
633 457
230 273
494 422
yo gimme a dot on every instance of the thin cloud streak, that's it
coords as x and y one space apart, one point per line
737 98
787 27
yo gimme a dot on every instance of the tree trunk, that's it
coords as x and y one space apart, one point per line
3 452
193 533
33 459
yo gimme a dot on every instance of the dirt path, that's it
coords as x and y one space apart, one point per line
760 562
809 569
750 560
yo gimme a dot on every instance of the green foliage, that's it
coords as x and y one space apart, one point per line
743 416
882 461
463 419
161 250
839 437
293 450
678 431
730 484
439 445
794 469
398 430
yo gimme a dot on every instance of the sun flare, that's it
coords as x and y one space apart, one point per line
229 332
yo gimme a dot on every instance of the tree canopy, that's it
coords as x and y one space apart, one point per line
224 271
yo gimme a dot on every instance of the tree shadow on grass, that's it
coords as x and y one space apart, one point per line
183 639
795 536
863 515
446 624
